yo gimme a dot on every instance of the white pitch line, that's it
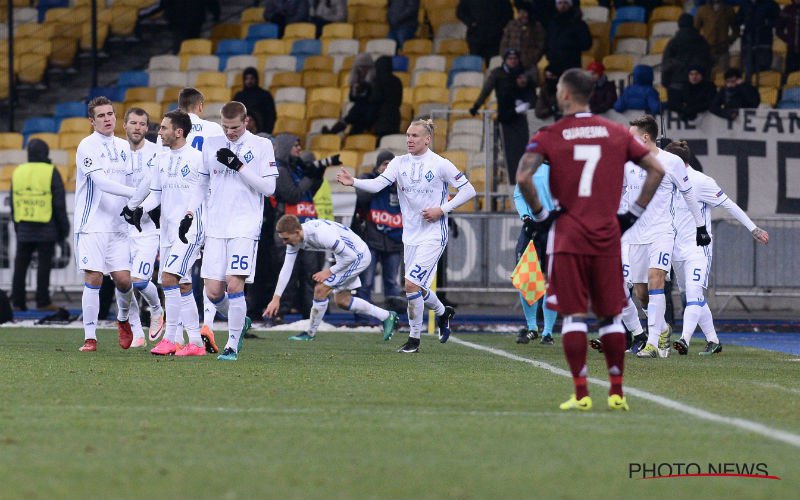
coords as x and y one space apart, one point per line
748 425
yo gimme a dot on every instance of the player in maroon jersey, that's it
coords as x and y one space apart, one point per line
587 155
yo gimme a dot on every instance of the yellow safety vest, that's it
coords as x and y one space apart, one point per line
324 201
33 199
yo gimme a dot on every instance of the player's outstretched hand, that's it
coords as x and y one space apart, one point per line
760 235
155 216
272 308
133 217
183 228
626 221
344 177
703 238
229 159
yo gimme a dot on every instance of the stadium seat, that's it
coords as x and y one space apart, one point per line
330 142
231 47
630 30
665 13
281 63
70 140
312 79
363 14
347 47
399 64
370 31
429 79
195 46
133 79
468 94
170 94
285 79
455 31
227 30
212 110
197 63
769 96
663 29
211 79
296 31
306 47
469 126
595 14
114 93
634 46
394 142
619 62
457 158
216 93
64 51
417 47
166 61
441 17
270 47
167 78
768 78
318 63
424 95
295 110
323 110
468 79
11 140
337 30
261 31
140 94
360 142
452 47
793 79
790 98
240 63
284 124
252 15
123 20
430 63
69 109
380 47
325 94
658 45
350 158
291 94
51 138
31 68
75 124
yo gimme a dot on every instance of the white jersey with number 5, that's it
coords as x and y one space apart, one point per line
233 208
423 182
657 218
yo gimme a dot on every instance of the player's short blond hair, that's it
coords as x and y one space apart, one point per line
232 110
425 123
288 223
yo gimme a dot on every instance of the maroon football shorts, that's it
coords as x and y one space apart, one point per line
576 279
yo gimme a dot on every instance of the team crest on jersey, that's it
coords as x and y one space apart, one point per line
429 176
248 157
85 260
123 156
87 162
185 170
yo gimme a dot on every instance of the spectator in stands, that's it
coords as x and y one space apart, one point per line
283 12
567 37
297 184
485 21
716 22
604 94
641 94
378 222
364 111
387 97
538 10
402 17
788 29
694 98
734 95
528 36
687 48
258 101
39 211
759 18
327 11
516 93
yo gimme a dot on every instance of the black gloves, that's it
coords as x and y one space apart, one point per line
134 217
528 226
183 228
473 110
703 238
155 216
542 225
626 221
229 159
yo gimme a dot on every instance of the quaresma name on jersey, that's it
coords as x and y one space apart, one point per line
587 154
141 171
233 208
657 219
201 130
96 211
423 182
174 175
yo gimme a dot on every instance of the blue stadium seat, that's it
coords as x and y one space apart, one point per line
44 5
37 124
133 79
300 62
790 99
233 47
309 47
464 63
399 63
116 94
69 109
262 31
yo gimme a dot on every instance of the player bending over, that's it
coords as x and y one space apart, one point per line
352 258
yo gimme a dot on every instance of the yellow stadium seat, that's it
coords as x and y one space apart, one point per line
50 138
75 124
227 30
769 95
287 79
216 93
299 31
141 94
291 110
171 94
70 140
439 17
252 15
793 79
453 47
464 94
318 63
11 140
768 78
350 158
330 142
619 62
64 51
417 47
195 46
284 124
457 158
103 29
323 110
658 45
34 30
32 46
211 79
364 14
123 19
324 94
337 30
271 47
360 142
631 30
665 13
312 79
31 68
153 109
430 94
370 30
430 79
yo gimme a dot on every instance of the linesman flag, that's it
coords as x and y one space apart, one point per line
528 277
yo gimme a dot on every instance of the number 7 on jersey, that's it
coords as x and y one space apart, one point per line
590 154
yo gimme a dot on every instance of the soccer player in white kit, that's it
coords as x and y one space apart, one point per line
101 235
238 171
651 237
144 244
692 263
175 172
352 258
423 180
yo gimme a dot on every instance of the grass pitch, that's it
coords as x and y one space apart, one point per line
347 417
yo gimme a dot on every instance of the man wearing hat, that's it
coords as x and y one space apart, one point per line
379 222
39 210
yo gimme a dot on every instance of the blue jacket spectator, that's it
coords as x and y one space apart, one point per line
641 94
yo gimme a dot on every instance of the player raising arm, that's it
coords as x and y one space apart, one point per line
352 258
586 154
423 179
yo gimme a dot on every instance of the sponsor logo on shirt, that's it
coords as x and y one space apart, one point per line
384 218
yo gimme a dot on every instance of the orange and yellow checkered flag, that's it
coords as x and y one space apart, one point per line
528 277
